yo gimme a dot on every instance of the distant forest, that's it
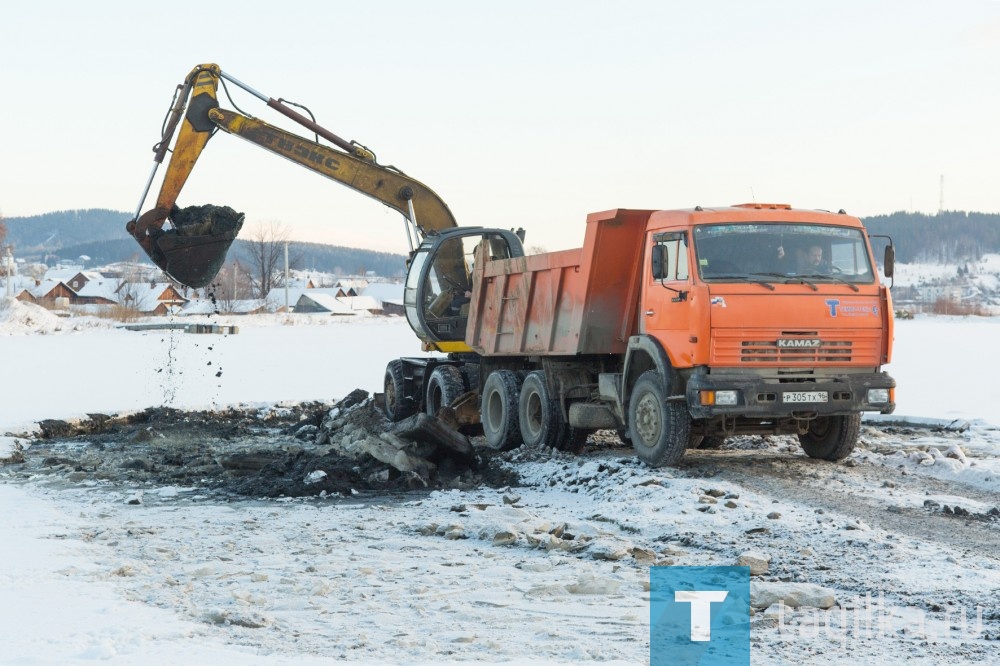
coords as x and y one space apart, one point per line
947 237
100 234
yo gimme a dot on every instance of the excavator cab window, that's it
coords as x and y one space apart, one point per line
439 282
448 283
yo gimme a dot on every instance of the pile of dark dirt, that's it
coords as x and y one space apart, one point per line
207 220
305 449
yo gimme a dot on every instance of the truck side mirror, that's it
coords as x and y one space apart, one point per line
660 261
889 260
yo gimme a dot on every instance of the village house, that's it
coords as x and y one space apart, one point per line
314 303
90 290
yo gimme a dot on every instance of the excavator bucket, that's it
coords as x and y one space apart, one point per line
194 251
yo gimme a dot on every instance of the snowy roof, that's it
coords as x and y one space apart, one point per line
360 302
62 273
355 284
43 288
99 287
384 291
328 302
276 297
145 296
198 307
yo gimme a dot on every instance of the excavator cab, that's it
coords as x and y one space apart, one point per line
438 290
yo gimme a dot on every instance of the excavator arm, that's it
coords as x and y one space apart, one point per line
411 198
194 249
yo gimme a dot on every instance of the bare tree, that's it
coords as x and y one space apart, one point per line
232 284
266 250
129 291
3 248
34 270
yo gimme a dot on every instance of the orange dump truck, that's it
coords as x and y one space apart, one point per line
678 329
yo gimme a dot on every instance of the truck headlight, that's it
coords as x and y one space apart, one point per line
726 398
878 396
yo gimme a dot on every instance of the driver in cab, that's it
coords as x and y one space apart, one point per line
812 260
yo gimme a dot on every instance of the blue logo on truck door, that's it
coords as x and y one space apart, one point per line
838 308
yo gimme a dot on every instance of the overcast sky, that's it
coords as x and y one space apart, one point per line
517 113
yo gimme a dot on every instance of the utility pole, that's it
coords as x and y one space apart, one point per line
286 277
10 275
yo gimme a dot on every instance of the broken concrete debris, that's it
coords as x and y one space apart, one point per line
307 449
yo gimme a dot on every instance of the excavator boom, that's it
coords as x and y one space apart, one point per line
384 184
194 249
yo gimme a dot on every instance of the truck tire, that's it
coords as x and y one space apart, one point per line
572 440
470 374
398 405
498 410
539 416
831 437
660 429
444 386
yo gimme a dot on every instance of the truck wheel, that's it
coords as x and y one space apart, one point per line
539 417
498 410
398 405
470 375
572 440
660 430
831 437
444 386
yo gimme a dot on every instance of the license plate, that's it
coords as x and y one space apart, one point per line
804 396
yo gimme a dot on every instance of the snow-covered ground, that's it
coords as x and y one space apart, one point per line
489 575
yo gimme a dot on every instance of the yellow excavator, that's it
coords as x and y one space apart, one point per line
196 110
192 249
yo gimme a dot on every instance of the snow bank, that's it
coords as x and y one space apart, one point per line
17 318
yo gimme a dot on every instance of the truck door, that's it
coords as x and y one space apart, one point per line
666 291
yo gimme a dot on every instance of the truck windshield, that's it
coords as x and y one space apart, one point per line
776 251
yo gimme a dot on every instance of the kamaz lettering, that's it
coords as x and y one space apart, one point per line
798 343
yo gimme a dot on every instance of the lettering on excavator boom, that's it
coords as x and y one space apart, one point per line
306 152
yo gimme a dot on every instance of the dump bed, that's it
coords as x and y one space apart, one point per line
580 301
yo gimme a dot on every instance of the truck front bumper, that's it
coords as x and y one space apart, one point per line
719 394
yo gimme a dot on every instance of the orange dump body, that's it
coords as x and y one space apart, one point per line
580 301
